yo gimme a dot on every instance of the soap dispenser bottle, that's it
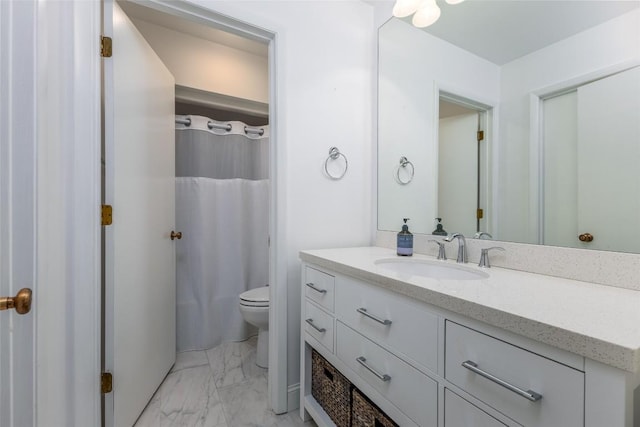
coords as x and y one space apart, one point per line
439 231
405 240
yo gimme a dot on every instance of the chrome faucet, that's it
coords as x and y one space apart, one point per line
442 255
484 256
479 235
462 246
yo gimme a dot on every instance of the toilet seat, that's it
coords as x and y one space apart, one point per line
258 297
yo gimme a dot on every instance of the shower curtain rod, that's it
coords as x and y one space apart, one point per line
227 127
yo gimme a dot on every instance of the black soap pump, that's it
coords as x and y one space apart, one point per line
405 240
439 231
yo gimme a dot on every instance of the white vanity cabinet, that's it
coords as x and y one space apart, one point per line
429 367
353 346
411 391
390 320
458 412
530 389
319 287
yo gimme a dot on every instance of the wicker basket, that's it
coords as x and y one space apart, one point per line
331 390
365 414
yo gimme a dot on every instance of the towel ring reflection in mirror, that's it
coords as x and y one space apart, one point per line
404 162
334 154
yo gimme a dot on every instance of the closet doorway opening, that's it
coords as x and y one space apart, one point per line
224 75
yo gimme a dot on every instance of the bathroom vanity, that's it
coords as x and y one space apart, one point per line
435 343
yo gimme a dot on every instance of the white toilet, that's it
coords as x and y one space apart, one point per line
254 306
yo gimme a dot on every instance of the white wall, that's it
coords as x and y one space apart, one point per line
614 42
208 66
324 97
408 100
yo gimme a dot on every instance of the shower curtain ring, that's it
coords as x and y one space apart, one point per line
334 154
404 162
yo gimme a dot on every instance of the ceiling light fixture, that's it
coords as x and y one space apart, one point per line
426 11
404 8
427 14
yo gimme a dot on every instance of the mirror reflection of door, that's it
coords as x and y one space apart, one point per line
461 175
592 137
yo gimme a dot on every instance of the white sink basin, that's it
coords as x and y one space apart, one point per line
431 269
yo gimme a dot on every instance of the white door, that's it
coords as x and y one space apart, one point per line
17 211
608 159
139 254
458 173
560 174
591 153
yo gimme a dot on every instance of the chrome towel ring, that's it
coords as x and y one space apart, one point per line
334 154
404 162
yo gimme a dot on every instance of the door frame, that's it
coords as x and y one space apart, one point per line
66 54
277 373
536 139
489 109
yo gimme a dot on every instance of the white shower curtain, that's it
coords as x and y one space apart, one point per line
222 205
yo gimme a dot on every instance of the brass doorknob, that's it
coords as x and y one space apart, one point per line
175 235
21 302
585 237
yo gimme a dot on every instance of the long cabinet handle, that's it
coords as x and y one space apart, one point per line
314 326
312 286
363 361
364 312
528 394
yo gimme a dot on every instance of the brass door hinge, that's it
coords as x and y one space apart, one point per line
106 47
106 382
480 135
107 215
480 214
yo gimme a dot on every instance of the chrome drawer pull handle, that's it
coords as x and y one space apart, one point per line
363 361
312 286
364 312
529 395
313 325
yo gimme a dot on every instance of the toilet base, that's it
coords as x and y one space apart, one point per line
262 352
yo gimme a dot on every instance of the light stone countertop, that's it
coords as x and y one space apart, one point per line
595 321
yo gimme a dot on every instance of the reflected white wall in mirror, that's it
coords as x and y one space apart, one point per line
414 66
409 87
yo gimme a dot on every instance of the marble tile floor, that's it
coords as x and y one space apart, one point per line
220 387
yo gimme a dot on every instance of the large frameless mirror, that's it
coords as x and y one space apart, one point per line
520 119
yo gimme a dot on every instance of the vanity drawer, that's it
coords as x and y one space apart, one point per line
408 389
319 287
561 387
319 325
460 413
410 330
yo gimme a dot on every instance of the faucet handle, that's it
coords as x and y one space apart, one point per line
484 256
479 235
441 252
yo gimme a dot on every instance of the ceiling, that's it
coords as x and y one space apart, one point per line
497 30
503 30
138 12
450 109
